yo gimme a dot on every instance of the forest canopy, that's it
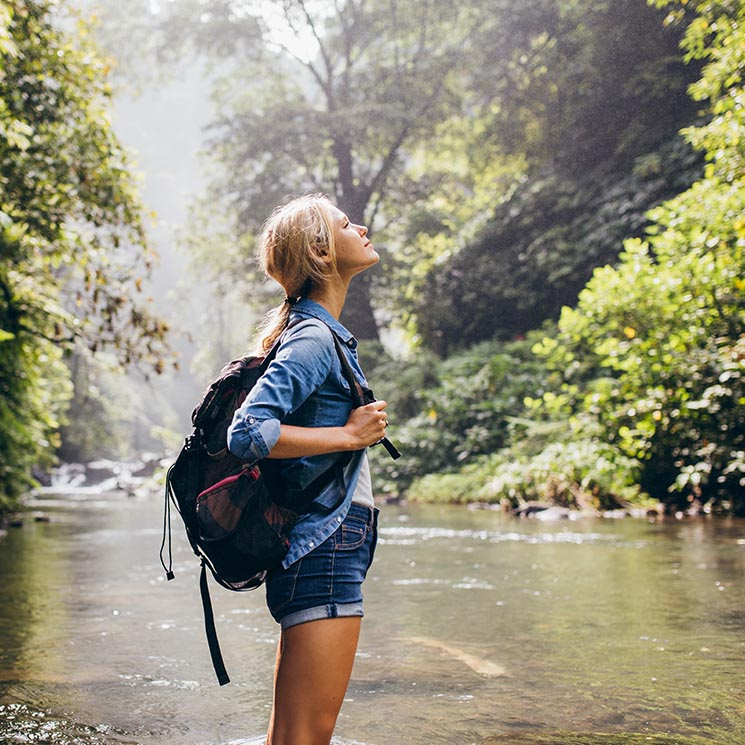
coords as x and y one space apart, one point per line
476 141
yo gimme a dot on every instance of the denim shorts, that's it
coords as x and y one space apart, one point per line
327 582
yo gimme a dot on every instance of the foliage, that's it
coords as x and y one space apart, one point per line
111 415
590 98
66 194
663 333
488 410
541 246
655 348
506 151
582 473
453 184
642 384
73 249
449 412
461 487
587 82
420 120
35 388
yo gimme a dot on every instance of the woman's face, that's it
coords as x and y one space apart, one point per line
354 252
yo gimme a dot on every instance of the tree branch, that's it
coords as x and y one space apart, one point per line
312 26
305 63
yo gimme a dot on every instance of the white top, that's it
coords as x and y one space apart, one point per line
363 493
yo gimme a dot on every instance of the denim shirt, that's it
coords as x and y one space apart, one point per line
304 386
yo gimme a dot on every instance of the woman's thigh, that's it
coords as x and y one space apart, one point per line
314 664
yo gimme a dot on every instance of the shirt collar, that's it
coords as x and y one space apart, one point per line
309 308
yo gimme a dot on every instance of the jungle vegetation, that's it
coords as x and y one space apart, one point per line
73 246
557 189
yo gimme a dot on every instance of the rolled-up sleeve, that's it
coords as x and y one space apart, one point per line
301 365
252 439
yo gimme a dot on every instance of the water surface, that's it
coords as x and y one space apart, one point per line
480 629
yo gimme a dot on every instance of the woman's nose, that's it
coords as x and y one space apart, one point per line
363 230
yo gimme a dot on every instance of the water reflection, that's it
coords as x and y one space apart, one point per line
480 629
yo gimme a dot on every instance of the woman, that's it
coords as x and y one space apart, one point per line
301 412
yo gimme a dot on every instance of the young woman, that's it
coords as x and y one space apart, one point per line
301 412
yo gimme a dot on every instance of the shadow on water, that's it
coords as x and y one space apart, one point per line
480 629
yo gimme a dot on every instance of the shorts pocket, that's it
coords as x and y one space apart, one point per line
351 533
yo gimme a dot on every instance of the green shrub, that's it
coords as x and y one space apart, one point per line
583 473
447 413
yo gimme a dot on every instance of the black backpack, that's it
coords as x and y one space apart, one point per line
236 517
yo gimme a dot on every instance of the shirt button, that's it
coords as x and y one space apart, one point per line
338 519
311 544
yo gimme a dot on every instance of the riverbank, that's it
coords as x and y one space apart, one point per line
548 496
586 483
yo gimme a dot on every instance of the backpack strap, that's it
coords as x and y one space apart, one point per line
360 395
210 630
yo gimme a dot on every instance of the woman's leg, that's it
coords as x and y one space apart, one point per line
314 664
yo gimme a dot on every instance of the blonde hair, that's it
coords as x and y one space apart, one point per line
296 249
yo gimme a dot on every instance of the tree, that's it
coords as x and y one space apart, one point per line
540 247
641 385
341 116
73 247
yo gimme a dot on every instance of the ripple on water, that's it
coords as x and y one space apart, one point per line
20 723
467 583
405 535
593 738
149 681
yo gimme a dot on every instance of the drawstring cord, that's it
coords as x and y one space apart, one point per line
167 528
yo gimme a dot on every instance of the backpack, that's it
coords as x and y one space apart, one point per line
236 520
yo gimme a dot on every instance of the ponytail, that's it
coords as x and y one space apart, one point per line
275 322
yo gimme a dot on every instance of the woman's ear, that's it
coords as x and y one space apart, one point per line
321 250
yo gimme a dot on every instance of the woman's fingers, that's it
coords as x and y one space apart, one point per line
367 423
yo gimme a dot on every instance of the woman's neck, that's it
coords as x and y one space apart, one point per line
331 296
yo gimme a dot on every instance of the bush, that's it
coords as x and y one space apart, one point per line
583 473
446 413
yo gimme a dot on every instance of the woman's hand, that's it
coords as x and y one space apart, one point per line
366 425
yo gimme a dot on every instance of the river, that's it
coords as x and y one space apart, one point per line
480 628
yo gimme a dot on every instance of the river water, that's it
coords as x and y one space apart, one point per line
480 628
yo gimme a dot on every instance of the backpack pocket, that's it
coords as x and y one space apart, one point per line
241 529
220 508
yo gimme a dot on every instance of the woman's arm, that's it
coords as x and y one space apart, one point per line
300 367
365 427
